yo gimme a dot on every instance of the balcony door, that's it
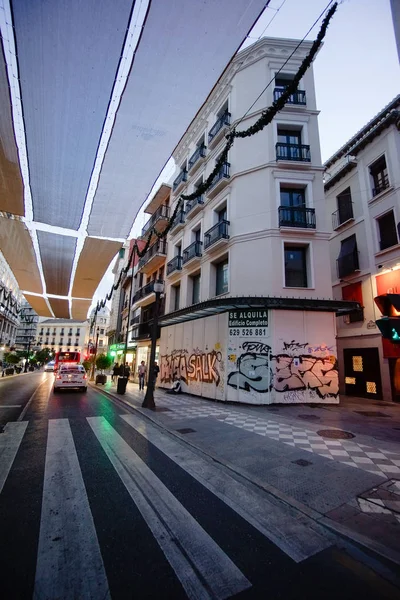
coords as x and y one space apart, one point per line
293 202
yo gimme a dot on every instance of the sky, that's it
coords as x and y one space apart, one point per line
356 72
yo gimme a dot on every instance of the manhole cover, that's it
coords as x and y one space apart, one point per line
186 430
302 462
371 413
309 417
335 434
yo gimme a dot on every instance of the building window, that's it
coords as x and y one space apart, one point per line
176 292
387 231
222 277
195 288
347 262
101 331
295 266
379 176
100 343
61 341
69 342
344 208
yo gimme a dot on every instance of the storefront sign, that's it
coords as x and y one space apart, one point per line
116 347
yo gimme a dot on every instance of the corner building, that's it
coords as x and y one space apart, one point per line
249 315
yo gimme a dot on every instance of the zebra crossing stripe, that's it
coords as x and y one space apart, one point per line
10 441
202 567
296 535
69 563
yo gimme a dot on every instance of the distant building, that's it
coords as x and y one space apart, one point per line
64 335
101 327
362 196
27 330
10 306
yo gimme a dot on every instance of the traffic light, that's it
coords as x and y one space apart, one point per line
389 324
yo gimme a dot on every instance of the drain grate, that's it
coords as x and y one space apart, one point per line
302 462
335 434
309 417
371 413
186 430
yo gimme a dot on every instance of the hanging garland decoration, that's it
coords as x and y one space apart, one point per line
265 119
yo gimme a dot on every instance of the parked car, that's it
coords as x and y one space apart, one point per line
49 366
70 376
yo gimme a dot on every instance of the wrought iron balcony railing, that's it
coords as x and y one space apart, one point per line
223 120
298 152
179 219
145 290
380 186
223 173
181 178
218 232
174 265
200 152
190 204
162 212
298 97
160 247
192 251
343 214
297 216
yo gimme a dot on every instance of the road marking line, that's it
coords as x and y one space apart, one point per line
295 535
10 441
69 563
27 405
204 570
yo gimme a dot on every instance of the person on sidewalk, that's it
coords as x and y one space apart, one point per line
156 372
126 371
176 388
115 372
142 372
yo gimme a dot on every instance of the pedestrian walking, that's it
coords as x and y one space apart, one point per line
142 372
127 370
115 372
156 372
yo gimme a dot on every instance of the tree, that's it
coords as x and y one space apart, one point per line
44 355
11 358
103 362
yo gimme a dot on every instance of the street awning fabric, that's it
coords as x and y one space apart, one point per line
17 248
57 253
80 309
183 50
68 55
60 307
39 304
93 261
69 59
11 187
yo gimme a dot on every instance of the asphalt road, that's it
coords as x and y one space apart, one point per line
90 508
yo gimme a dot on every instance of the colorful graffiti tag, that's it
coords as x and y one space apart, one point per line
261 371
198 366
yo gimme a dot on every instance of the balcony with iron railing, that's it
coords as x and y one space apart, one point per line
180 181
145 291
298 97
297 216
217 234
293 152
348 264
179 221
342 215
381 184
174 265
196 159
218 129
192 252
194 206
220 180
158 219
154 257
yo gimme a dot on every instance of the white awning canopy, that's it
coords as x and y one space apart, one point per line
99 94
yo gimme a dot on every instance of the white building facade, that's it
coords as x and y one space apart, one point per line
64 335
101 327
249 315
10 306
362 188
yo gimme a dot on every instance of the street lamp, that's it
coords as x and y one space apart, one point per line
95 354
27 355
148 402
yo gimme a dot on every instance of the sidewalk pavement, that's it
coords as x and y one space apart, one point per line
339 465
